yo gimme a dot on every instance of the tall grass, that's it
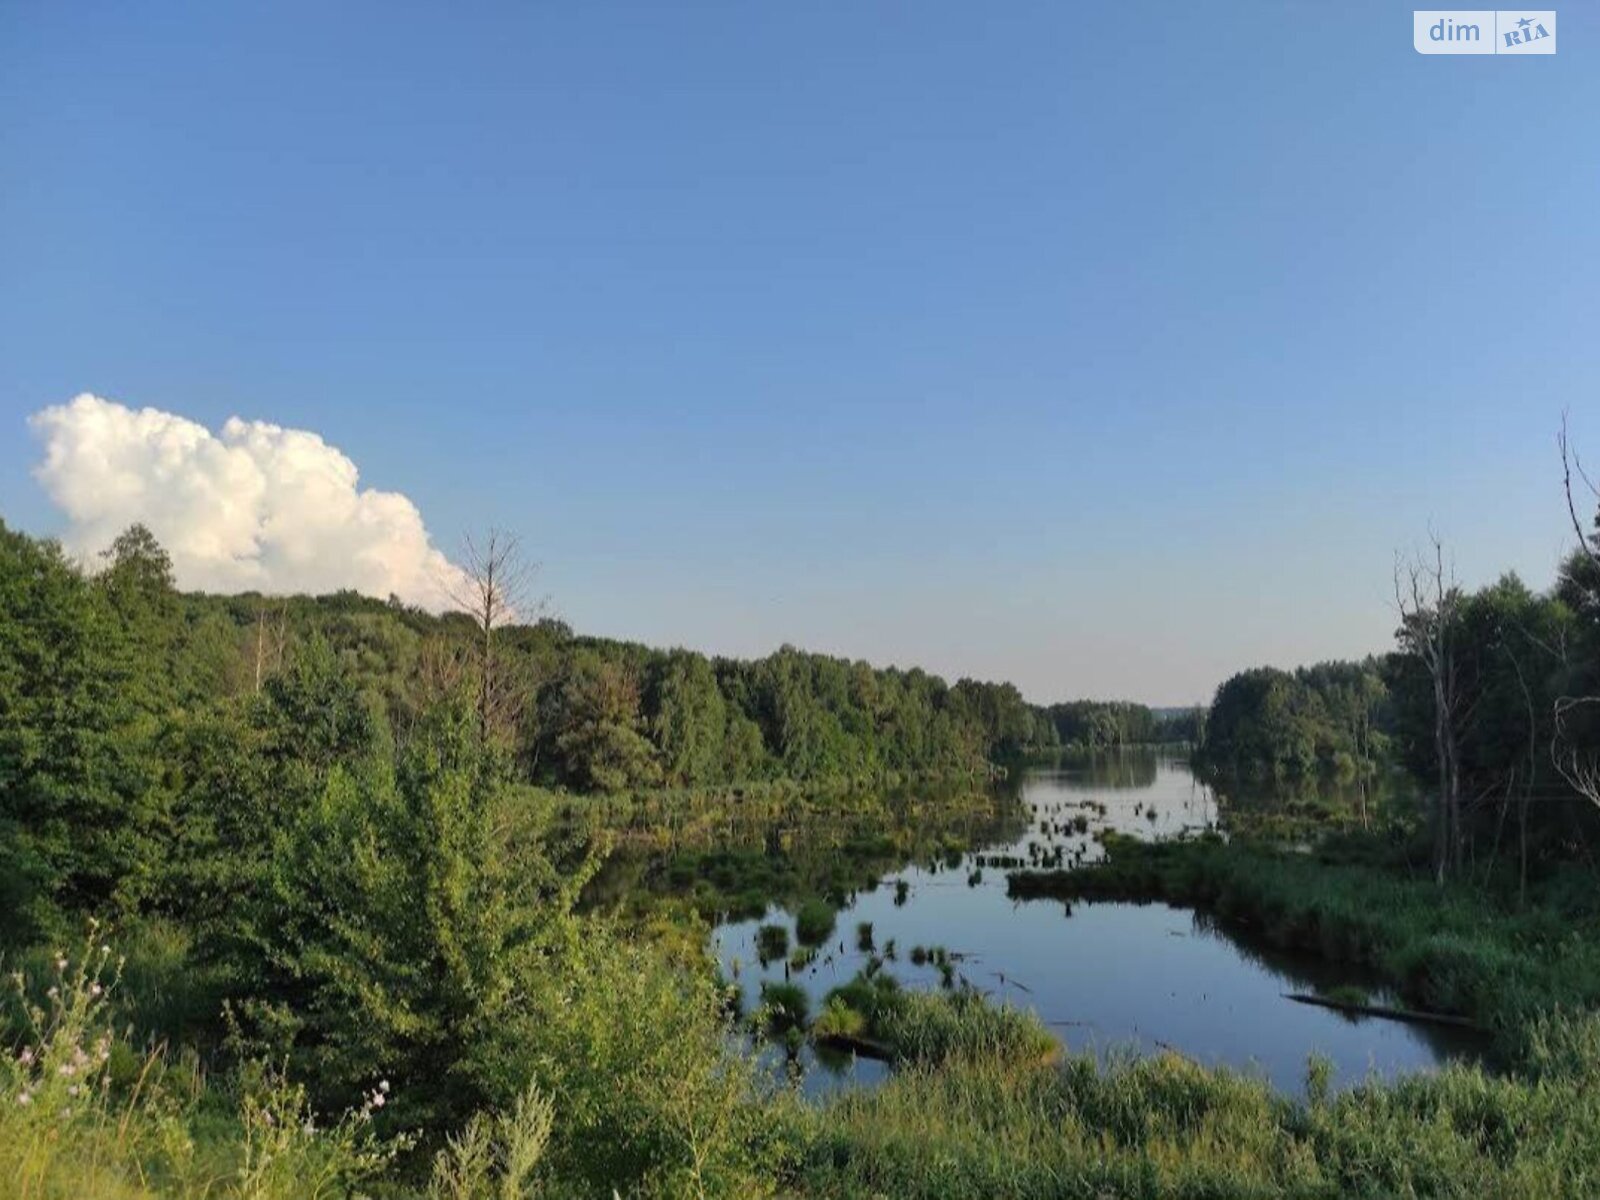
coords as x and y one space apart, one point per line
1164 1126
82 1114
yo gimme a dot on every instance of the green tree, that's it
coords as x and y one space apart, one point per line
688 719
600 743
79 811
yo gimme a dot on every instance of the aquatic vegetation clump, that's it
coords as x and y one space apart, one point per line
838 1020
772 942
784 1006
814 922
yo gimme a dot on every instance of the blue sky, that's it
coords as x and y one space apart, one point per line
1106 349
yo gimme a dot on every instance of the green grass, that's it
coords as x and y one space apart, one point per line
927 1028
977 1106
1166 1127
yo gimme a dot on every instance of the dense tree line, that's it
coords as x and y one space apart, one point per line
115 689
1490 698
1265 722
1113 724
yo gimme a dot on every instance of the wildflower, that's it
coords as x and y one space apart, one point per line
26 1057
104 949
378 1100
24 1099
73 1090
61 964
67 1070
95 989
53 992
383 1085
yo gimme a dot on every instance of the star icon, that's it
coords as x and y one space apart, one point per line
1525 22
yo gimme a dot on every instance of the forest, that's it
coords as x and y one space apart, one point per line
1487 699
290 908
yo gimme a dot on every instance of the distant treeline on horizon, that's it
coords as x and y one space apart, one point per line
585 713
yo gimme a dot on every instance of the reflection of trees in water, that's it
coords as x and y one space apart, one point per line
1354 800
832 847
1134 767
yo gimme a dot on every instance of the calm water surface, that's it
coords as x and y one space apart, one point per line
1107 977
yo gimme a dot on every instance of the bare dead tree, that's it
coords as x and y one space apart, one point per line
493 592
1428 598
1570 463
1578 765
272 636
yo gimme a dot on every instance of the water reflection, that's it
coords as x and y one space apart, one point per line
1104 976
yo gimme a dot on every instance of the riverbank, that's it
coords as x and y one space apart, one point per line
1471 952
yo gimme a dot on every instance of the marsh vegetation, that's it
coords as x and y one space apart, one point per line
369 926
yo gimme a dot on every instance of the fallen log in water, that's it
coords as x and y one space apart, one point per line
859 1046
1381 1010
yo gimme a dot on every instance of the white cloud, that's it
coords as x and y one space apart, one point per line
256 507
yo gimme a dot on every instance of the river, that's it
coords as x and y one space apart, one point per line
1108 978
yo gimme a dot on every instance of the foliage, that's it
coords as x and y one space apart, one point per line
80 812
82 1113
1165 1126
1328 718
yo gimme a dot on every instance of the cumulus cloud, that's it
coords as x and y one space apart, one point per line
253 508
